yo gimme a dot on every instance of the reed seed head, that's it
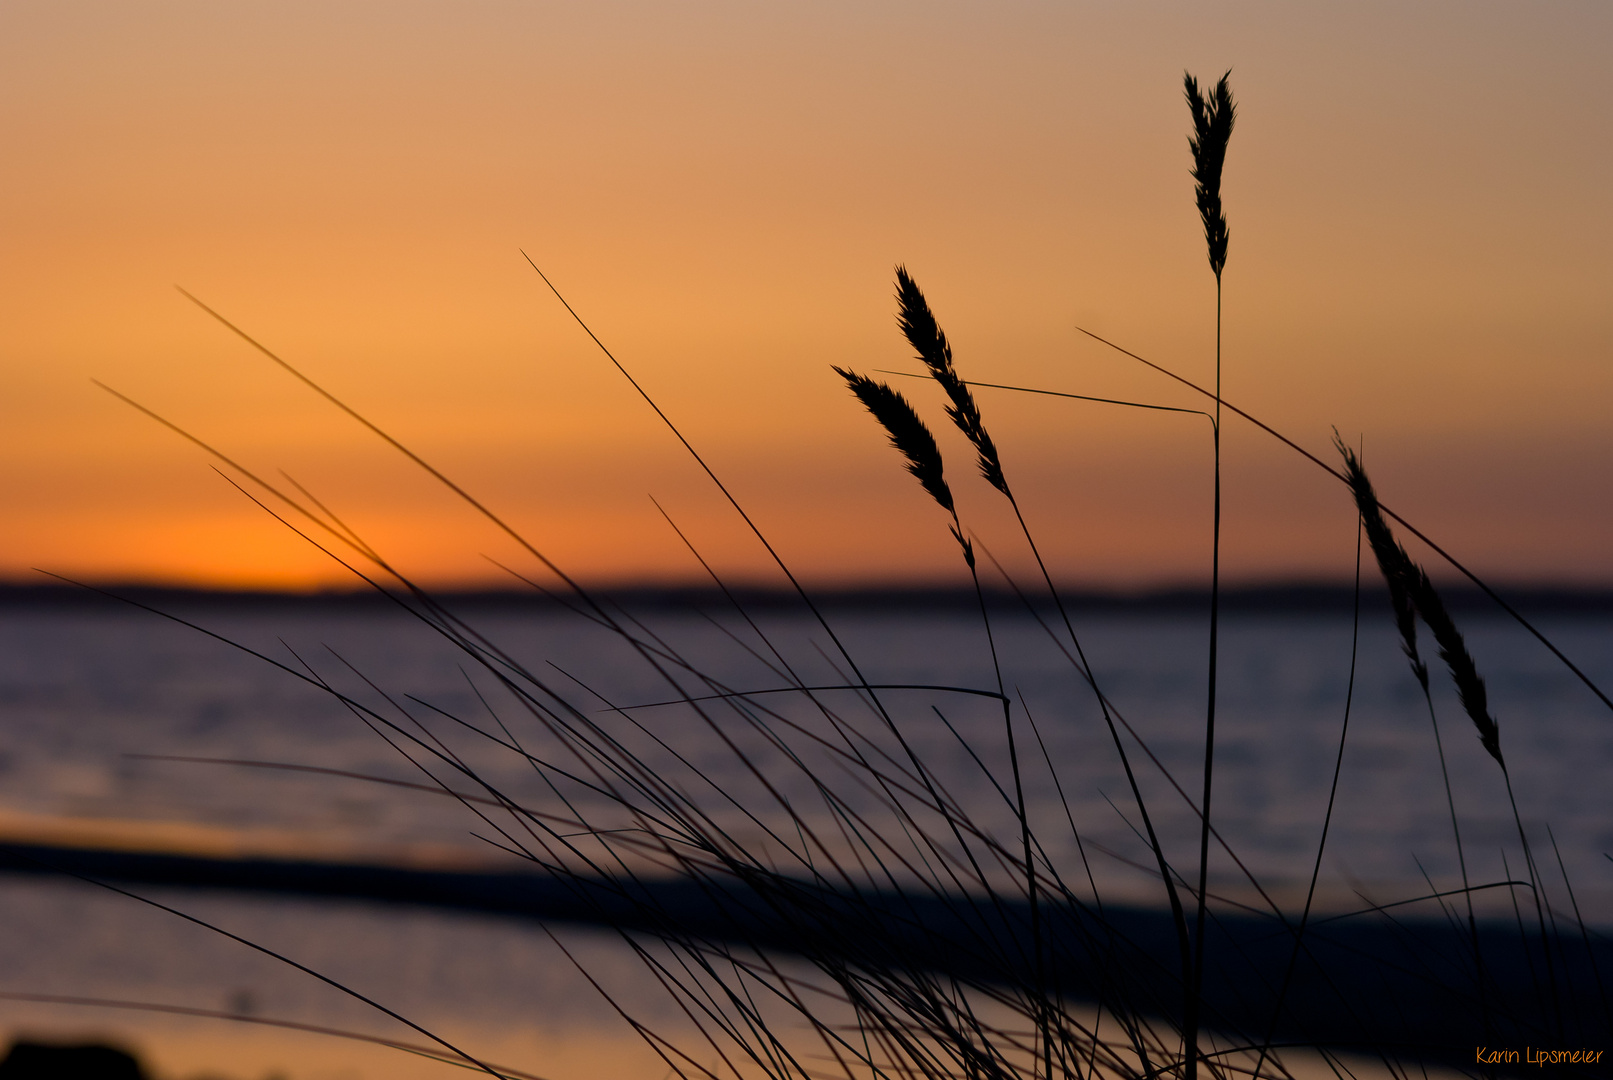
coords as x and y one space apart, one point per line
1213 116
907 433
1464 672
1399 572
1411 591
924 334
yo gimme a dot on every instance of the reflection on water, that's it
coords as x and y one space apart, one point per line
82 691
500 990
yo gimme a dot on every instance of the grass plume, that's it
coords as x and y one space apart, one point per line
1213 116
1399 572
1464 672
1412 593
908 434
1405 581
925 335
1402 573
1212 130
913 440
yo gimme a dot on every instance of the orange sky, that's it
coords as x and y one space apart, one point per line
1422 254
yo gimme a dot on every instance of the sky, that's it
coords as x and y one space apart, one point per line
1421 256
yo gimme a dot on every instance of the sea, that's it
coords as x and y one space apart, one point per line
262 726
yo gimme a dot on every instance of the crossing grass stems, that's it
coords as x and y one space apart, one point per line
841 832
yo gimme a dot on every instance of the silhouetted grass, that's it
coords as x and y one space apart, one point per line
1212 131
802 881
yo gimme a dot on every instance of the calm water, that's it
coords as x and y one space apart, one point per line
81 692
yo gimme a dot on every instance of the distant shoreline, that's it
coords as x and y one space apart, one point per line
1301 597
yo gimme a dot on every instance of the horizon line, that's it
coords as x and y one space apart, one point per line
1278 594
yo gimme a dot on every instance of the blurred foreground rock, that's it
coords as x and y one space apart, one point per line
68 1061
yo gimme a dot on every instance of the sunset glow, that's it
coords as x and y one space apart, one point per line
1421 255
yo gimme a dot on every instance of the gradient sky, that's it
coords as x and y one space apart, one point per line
1422 255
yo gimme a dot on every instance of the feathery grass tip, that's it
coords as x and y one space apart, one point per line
924 334
1399 572
907 433
1213 115
1464 672
1411 590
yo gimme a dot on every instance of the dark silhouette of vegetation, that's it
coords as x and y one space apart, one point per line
792 868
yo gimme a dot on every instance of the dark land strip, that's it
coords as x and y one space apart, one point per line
1398 983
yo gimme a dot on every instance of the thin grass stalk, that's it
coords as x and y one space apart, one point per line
1535 892
1157 763
1153 758
1455 563
1213 118
463 642
460 492
1411 588
457 1053
1103 701
909 435
1475 700
1517 916
919 326
1327 817
887 720
1086 866
1084 667
1402 577
1215 833
925 1027
1197 978
1461 855
416 1049
795 584
1584 934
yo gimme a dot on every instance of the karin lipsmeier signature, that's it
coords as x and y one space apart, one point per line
1483 1055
